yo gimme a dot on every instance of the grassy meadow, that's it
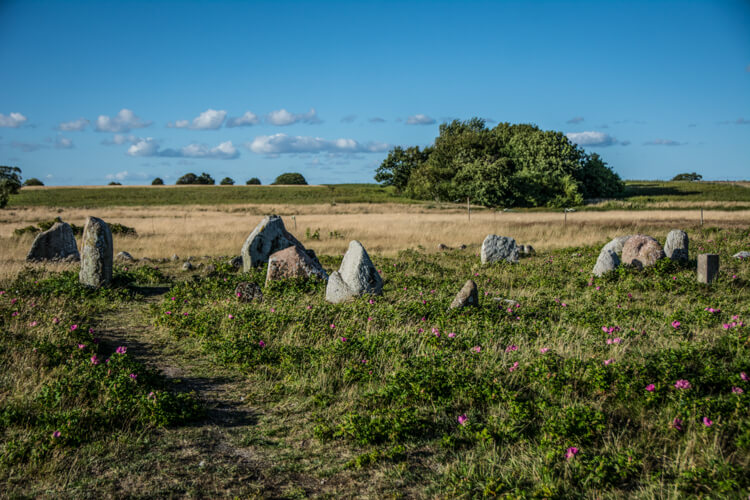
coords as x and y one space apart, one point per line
558 385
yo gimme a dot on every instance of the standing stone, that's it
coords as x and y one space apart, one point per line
708 267
356 276
676 245
56 243
96 254
607 261
293 262
496 248
468 296
742 255
268 237
248 291
642 251
616 244
188 266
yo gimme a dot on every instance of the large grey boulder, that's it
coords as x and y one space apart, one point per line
96 254
356 276
676 245
293 262
56 243
642 251
268 237
496 248
616 244
607 261
467 296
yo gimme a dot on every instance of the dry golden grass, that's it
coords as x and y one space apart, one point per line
382 229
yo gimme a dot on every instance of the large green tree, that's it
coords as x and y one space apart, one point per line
10 183
399 164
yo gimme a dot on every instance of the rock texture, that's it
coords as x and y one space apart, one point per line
235 262
642 251
188 266
742 255
676 245
467 296
56 243
708 267
248 291
356 276
124 257
496 248
616 244
96 254
607 261
527 250
293 262
443 247
268 237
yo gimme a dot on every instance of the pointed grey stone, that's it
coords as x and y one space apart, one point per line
56 243
96 254
616 244
356 276
708 267
268 237
607 261
496 248
676 245
467 296
188 266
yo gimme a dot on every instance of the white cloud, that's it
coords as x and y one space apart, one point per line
150 147
13 120
74 126
663 142
246 120
124 121
591 138
210 119
420 119
376 119
63 143
349 119
283 117
576 119
282 143
119 176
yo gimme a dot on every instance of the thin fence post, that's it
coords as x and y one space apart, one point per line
565 219
701 216
294 218
468 208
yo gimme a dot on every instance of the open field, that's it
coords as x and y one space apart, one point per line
384 228
638 195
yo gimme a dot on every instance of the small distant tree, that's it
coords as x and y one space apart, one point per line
227 181
157 182
204 178
687 177
115 183
253 182
290 178
10 183
33 182
188 178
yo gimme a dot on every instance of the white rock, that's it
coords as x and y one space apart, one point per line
268 237
676 245
616 244
356 276
607 261
496 248
56 243
96 254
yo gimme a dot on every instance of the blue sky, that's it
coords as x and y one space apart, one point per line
99 91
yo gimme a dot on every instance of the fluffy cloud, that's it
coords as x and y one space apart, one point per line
576 119
150 147
13 120
663 142
63 143
420 119
284 117
74 126
591 138
376 119
282 143
119 139
124 121
119 176
210 119
246 120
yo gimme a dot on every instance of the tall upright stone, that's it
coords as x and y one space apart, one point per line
676 245
268 237
496 248
96 254
56 243
356 276
467 296
708 267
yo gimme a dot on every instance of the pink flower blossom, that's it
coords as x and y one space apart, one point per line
133 376
309 307
56 434
677 423
682 384
332 326
15 313
571 452
369 318
544 349
476 348
743 376
676 324
261 343
81 346
94 360
33 323
55 320
121 350
462 419
73 327
230 316
707 422
608 361
514 367
273 310
168 313
511 348
737 390
371 302
650 387
343 339
451 335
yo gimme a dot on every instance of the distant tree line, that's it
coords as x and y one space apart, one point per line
509 165
687 177
287 178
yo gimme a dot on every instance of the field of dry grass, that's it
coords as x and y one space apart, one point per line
383 228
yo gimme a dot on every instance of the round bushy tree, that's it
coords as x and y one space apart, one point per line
33 182
290 178
254 181
157 182
227 181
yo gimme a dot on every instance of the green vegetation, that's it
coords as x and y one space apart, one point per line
33 182
507 166
227 181
191 178
114 183
253 181
290 179
157 182
114 227
630 385
10 183
687 177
